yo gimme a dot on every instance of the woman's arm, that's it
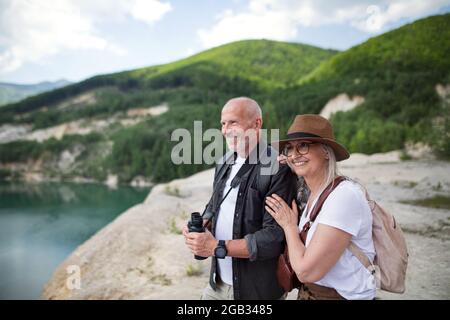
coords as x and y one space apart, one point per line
327 244
326 247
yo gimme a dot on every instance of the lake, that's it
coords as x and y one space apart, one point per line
41 224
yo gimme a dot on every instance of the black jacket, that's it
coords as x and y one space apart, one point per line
254 278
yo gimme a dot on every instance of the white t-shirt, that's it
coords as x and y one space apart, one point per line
347 209
224 224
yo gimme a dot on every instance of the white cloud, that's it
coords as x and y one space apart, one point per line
149 11
32 30
378 17
282 19
248 26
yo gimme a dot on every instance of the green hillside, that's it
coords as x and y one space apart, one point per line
195 89
270 63
421 46
239 67
396 73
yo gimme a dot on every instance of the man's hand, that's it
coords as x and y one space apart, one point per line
200 243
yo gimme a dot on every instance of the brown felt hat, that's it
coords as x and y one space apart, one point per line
312 127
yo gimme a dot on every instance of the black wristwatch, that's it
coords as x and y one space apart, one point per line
221 250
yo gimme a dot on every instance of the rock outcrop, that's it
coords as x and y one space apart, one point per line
341 102
142 255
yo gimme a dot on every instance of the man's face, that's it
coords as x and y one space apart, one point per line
237 127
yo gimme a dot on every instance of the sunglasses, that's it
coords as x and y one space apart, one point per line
301 148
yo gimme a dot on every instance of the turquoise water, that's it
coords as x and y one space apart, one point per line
41 224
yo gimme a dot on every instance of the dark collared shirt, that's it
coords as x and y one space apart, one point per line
255 277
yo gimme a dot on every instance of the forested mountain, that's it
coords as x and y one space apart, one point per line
397 73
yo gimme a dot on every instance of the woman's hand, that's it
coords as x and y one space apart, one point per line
284 215
282 159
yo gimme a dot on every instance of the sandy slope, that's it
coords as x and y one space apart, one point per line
140 255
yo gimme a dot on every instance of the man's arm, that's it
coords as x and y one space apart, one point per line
203 244
267 243
237 248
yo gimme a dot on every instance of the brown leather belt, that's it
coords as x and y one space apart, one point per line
312 291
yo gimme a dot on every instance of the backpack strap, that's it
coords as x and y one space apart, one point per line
318 206
354 249
361 256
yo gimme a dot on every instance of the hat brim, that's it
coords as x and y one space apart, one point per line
339 150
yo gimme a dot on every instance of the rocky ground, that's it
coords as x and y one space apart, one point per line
141 255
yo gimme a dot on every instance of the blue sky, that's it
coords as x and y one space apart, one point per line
76 39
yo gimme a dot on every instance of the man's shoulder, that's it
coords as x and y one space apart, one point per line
284 171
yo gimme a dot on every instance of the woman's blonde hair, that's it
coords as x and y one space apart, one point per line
331 170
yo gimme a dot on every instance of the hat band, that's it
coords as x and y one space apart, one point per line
299 135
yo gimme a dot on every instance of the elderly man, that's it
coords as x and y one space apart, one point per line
245 241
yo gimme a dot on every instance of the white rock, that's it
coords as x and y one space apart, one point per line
141 182
9 133
341 102
112 181
443 91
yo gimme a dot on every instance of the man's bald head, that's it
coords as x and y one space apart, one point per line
241 122
244 106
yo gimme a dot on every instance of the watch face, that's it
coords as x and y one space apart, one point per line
220 252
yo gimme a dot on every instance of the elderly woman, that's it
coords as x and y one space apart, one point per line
323 263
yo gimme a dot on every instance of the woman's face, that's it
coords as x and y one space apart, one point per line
306 158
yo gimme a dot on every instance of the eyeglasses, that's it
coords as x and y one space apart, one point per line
301 148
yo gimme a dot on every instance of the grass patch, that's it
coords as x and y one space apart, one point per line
405 156
437 187
405 184
173 226
437 202
172 191
440 231
161 279
193 270
185 215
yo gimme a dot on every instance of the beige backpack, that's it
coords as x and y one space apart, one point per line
391 259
